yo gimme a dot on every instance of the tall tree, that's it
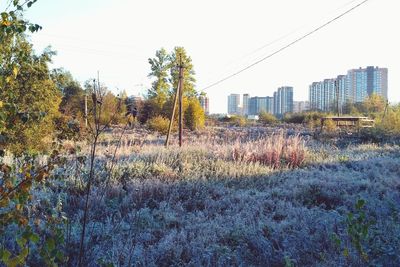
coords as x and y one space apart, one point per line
31 96
179 56
159 70
73 96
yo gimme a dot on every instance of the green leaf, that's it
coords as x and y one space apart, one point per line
360 203
4 15
34 238
5 255
50 244
346 252
21 242
60 255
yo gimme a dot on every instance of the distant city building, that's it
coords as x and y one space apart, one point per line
283 101
358 84
362 83
300 106
245 104
278 104
270 104
234 107
343 90
322 95
205 103
260 104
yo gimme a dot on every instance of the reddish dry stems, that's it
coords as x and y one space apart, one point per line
276 151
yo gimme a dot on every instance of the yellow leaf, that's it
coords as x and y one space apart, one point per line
346 252
15 72
4 202
6 23
1 104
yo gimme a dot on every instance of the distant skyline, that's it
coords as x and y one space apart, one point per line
117 38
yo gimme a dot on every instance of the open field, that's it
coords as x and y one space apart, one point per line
230 197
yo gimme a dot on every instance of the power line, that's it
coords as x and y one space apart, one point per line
290 33
240 60
286 46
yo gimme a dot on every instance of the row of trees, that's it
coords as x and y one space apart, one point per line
38 104
165 74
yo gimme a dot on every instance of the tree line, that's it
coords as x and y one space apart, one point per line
39 104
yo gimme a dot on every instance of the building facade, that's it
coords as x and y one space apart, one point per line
261 104
278 104
300 106
283 101
245 104
234 107
355 87
362 83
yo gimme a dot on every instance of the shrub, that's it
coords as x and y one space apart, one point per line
311 117
237 120
194 115
158 124
330 126
390 122
267 118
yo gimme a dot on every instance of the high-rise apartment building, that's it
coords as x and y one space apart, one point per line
283 101
234 107
322 95
300 106
205 103
279 104
362 83
261 104
358 84
270 104
245 104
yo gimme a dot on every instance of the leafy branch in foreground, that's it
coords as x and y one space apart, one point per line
358 228
41 236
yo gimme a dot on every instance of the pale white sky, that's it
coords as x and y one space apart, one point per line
222 36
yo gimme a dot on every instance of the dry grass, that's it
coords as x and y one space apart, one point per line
229 197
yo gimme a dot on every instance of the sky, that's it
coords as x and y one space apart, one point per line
117 37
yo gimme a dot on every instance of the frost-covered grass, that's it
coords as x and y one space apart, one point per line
203 206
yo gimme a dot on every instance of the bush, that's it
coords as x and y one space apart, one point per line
390 123
267 118
330 126
311 117
194 115
158 124
237 121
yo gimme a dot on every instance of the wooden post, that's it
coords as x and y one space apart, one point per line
180 101
86 110
178 96
172 116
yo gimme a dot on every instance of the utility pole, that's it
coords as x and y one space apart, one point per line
86 110
180 100
178 96
386 109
